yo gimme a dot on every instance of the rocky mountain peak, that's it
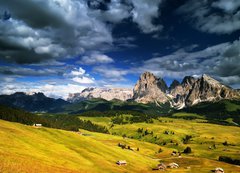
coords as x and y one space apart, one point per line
150 88
148 78
174 84
188 80
89 89
210 80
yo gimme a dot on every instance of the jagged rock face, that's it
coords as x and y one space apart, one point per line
149 88
174 84
104 93
191 91
209 89
180 92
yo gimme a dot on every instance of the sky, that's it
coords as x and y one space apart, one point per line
63 46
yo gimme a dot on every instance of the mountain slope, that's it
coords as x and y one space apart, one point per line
29 149
224 110
114 106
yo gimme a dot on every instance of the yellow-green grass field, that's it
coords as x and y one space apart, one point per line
28 149
204 136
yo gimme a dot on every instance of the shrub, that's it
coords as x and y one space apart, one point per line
187 150
140 130
187 139
160 150
225 143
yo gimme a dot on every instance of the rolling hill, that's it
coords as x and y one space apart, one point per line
28 149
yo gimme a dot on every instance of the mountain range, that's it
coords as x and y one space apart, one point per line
189 92
122 94
149 89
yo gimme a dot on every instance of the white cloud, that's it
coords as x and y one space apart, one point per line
96 58
143 13
83 80
80 76
59 90
228 6
78 72
55 91
117 11
66 80
111 73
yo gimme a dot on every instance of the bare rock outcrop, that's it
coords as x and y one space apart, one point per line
149 88
191 91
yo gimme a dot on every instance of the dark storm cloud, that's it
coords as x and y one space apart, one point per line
36 14
23 56
229 66
213 16
41 30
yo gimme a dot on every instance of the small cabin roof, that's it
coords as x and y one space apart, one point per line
122 161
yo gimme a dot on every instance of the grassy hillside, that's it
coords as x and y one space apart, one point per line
28 149
207 141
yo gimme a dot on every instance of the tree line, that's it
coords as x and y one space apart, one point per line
65 122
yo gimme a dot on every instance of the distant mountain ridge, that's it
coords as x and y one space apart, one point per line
122 94
190 92
36 102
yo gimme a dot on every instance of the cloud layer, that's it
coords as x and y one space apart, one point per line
63 46
219 16
43 30
221 61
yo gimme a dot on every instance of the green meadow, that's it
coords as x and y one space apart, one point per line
28 149
208 141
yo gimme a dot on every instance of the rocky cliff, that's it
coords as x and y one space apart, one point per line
149 88
189 92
